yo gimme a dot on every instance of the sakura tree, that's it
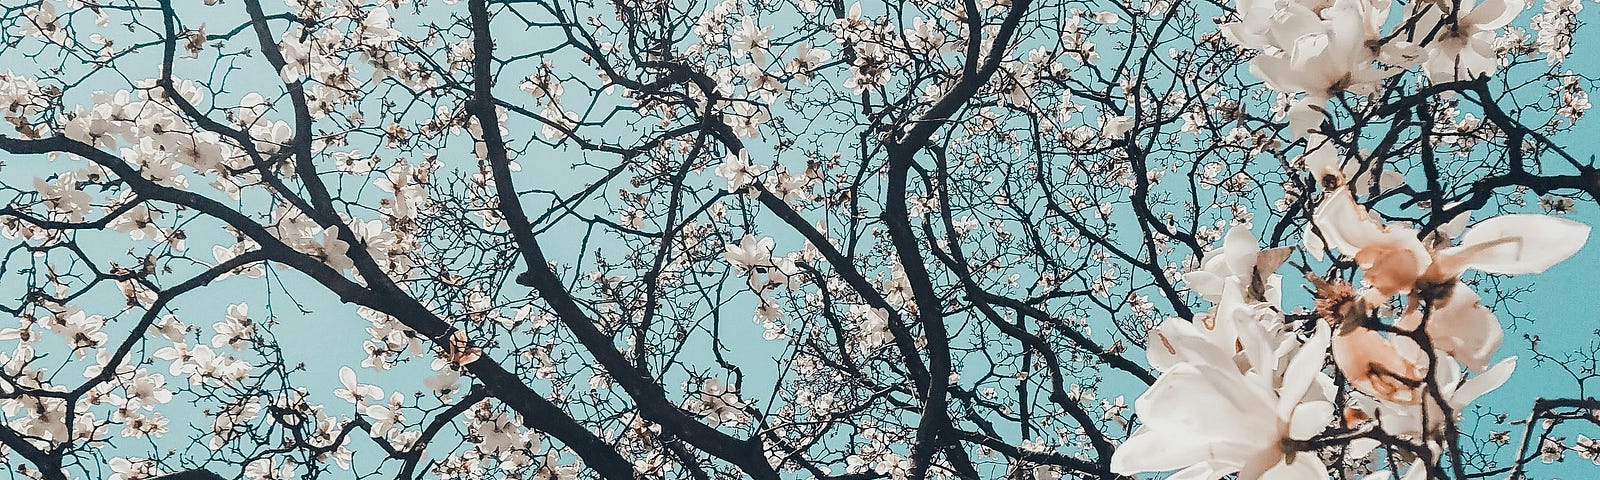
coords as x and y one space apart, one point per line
790 239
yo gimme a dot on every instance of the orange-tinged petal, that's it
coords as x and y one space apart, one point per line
1375 367
1390 268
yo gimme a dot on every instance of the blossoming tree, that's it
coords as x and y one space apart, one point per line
784 238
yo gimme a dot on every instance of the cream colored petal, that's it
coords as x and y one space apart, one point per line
1303 369
1463 328
1483 383
1494 14
1310 419
1305 466
1517 244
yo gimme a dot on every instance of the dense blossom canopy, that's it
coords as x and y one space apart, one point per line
831 239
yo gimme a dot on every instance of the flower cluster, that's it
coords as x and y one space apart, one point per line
1239 384
1244 389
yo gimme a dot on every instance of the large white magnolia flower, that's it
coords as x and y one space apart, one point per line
1208 421
1237 386
749 253
1457 392
1393 258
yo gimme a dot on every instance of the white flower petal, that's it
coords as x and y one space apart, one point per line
1204 471
1493 14
348 377
1203 283
1483 383
1517 244
1240 248
1306 466
1180 341
1303 369
1344 225
1310 419
1465 329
